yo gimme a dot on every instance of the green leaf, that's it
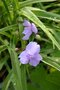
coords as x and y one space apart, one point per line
5 34
2 48
23 76
44 14
16 4
55 33
28 2
51 56
8 28
29 14
42 80
3 61
7 81
16 68
7 9
52 61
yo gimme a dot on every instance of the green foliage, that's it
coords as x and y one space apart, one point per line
42 80
46 15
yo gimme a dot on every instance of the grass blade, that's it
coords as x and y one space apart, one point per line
29 14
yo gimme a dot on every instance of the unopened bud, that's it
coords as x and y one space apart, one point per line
38 37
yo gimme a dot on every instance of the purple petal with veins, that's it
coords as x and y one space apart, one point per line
23 58
33 48
27 33
29 28
34 29
31 54
26 23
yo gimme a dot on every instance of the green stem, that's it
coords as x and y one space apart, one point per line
7 67
23 74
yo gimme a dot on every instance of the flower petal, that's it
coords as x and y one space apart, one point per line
38 57
23 58
27 30
26 23
32 48
26 37
34 29
33 62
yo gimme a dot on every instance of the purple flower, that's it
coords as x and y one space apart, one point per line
31 54
29 28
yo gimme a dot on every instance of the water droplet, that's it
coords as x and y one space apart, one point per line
57 60
14 84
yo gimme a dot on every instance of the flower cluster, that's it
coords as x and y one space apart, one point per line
31 53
